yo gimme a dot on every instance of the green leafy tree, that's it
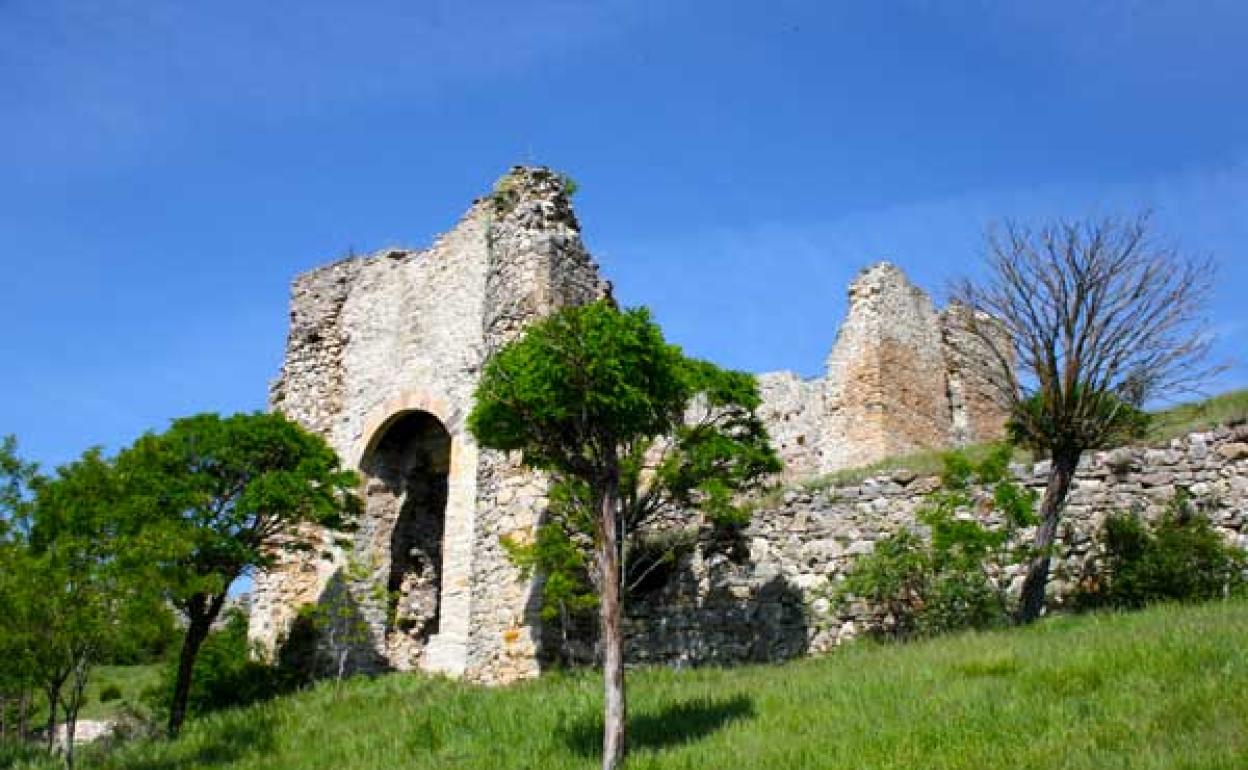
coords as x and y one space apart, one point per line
628 428
951 579
1082 323
221 496
95 598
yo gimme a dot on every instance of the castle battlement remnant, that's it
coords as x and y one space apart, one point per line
382 358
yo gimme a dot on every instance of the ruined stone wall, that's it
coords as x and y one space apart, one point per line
763 598
400 331
792 408
977 408
538 264
379 340
885 391
901 378
372 337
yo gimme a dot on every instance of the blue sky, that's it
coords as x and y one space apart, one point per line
167 168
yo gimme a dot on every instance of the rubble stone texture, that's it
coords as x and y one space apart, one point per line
382 358
901 378
769 601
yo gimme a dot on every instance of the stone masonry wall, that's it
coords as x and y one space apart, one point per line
378 337
539 264
761 598
384 353
901 378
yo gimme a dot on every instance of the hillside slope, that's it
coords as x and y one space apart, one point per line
1158 689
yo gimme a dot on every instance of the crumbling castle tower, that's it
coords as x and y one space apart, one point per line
383 356
902 377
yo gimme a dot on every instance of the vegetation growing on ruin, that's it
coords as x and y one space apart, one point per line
953 577
1150 690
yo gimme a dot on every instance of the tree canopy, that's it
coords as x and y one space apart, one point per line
219 496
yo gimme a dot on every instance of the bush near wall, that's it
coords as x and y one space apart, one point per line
949 578
1180 558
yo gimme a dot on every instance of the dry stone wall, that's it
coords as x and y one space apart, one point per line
764 597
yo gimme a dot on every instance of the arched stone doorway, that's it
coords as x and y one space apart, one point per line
408 469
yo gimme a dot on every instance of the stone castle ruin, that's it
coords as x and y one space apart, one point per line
901 378
382 358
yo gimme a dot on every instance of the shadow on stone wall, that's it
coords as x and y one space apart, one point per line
673 725
338 629
714 606
738 620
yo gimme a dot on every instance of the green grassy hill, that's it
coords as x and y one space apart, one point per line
1163 688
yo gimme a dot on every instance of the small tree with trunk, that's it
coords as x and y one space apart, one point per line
90 598
1082 323
628 428
223 496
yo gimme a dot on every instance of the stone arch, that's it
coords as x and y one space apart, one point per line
419 469
393 409
407 467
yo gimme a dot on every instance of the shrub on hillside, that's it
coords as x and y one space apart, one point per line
1180 558
226 674
918 586
110 692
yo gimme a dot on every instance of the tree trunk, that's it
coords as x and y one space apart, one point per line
54 702
196 633
23 713
201 611
73 704
71 727
1061 473
615 710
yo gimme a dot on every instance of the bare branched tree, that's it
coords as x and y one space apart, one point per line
1083 322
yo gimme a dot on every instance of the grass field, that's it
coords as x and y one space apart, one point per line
132 681
1163 688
